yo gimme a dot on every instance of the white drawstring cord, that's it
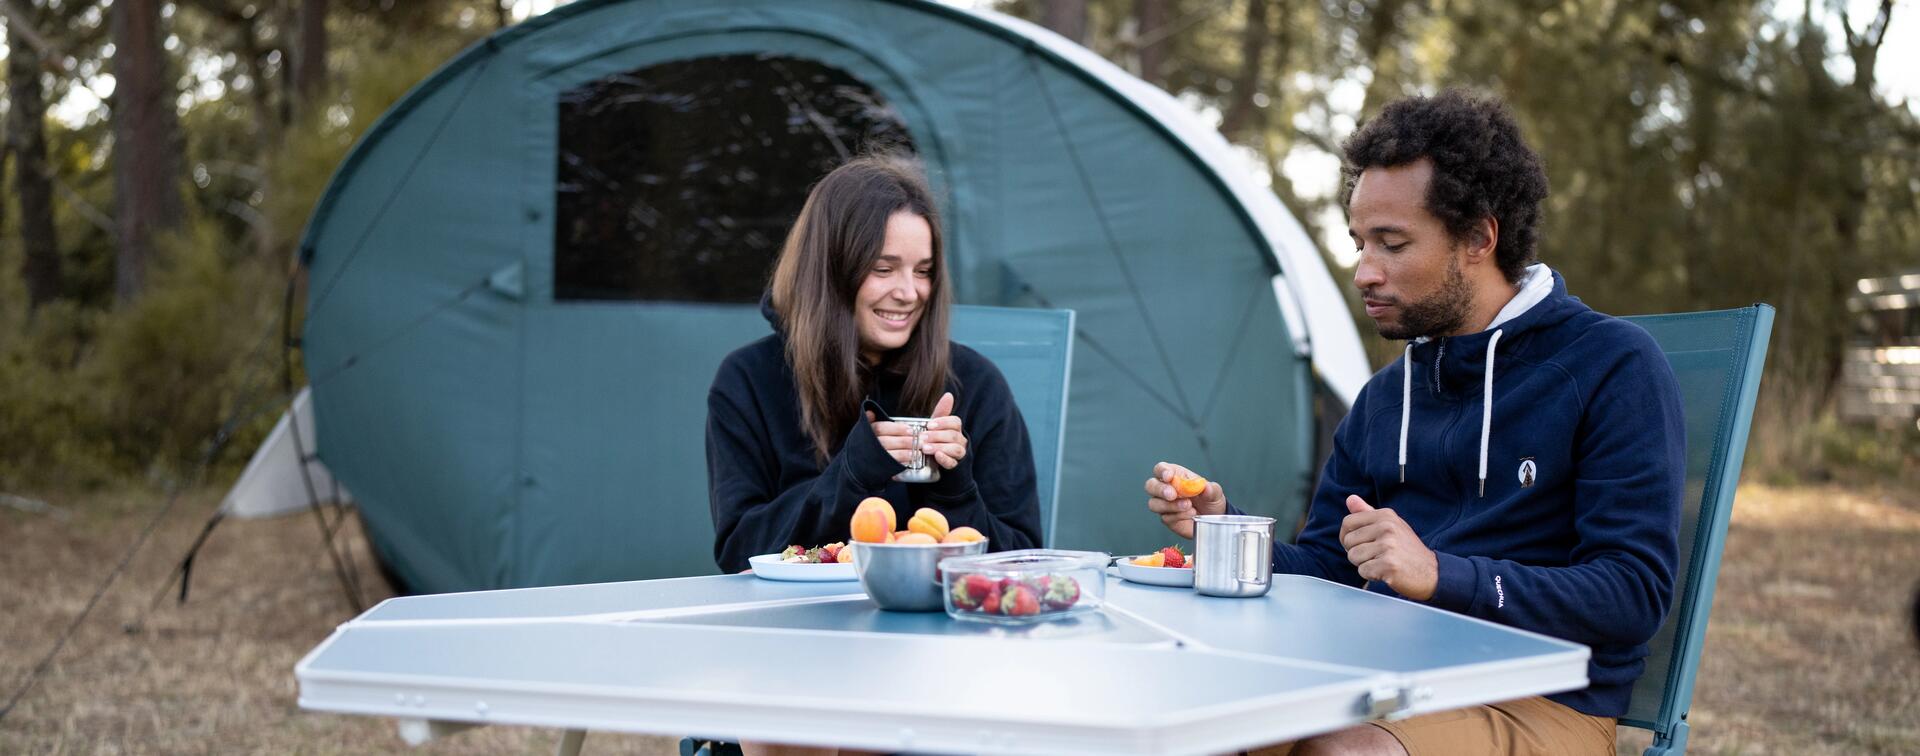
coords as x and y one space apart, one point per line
1486 414
1406 407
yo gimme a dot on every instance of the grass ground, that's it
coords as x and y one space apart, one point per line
1809 650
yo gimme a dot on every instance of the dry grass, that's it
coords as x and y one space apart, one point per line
1809 650
212 676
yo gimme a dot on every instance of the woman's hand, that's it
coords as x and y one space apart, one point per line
943 440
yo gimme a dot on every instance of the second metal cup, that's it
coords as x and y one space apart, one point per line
919 468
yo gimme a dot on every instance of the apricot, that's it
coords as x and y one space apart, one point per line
915 539
845 556
875 502
930 522
870 526
963 534
899 534
1189 486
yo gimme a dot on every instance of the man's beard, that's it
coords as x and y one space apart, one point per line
1441 312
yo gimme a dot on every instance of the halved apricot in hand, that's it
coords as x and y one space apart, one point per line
1189 486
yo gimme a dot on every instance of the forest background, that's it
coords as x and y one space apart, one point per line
160 160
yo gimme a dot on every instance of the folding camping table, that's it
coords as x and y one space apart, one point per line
1155 670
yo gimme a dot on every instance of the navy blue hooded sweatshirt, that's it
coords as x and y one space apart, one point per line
1576 535
768 492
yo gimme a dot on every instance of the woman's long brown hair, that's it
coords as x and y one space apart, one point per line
828 253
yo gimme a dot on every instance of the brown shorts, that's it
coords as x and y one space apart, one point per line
1527 726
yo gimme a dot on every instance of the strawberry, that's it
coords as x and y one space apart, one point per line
1062 591
978 586
961 598
991 602
1020 602
1174 557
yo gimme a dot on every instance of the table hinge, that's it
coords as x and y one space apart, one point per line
1392 701
1380 701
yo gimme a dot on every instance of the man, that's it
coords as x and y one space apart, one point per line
1522 463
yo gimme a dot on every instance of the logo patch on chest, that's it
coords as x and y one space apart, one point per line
1528 471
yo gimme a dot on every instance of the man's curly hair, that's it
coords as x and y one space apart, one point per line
1481 166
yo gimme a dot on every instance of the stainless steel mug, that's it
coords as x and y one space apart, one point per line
1233 555
920 469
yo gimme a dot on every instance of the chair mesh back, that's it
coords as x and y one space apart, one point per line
1710 353
1033 348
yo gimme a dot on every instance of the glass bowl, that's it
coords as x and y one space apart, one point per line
1020 587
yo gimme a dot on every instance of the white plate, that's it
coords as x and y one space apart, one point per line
770 567
1177 577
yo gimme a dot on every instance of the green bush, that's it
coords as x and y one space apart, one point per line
90 397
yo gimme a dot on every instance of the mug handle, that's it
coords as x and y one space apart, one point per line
1247 552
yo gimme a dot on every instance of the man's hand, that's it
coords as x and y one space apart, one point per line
1176 512
1384 547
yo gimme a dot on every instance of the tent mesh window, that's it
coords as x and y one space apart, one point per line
678 181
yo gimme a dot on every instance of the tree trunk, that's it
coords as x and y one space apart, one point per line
1378 47
145 151
1150 17
310 61
1253 52
1855 143
1066 17
32 182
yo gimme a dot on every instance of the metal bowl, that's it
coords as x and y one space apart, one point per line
906 578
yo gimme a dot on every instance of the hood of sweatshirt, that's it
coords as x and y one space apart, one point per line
1461 365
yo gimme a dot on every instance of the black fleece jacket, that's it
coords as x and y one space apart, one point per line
767 490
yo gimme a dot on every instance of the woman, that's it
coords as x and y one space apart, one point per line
797 422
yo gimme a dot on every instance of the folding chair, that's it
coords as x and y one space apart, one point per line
1034 349
1717 357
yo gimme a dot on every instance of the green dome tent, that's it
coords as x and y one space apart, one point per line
522 279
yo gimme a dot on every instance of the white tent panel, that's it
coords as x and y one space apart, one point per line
271 484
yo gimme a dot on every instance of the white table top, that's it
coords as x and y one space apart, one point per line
1156 670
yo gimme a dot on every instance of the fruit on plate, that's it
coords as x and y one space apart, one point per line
1189 485
930 522
963 534
1170 556
828 554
